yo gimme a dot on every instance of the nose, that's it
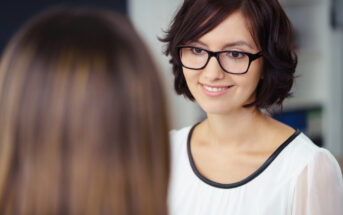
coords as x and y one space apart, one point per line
213 71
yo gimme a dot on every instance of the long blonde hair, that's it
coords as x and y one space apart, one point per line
83 126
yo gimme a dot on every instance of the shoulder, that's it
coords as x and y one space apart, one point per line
178 138
178 146
182 133
307 158
318 185
304 148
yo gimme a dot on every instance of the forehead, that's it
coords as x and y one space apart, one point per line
234 29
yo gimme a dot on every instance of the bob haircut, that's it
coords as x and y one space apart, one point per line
83 126
269 27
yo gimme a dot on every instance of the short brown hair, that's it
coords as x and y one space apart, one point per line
83 126
271 31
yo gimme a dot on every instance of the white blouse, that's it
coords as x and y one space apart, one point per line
299 178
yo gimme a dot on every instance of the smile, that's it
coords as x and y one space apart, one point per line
214 91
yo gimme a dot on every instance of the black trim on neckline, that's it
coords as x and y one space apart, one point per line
247 179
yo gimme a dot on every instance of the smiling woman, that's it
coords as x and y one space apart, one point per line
236 58
216 91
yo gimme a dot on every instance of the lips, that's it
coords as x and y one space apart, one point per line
214 91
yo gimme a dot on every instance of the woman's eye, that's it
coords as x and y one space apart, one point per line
197 50
235 54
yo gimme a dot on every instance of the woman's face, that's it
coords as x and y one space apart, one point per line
216 91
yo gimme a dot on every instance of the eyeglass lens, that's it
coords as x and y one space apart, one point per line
231 61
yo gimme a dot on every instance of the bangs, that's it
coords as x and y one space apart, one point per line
204 26
205 16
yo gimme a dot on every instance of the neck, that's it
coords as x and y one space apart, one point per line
235 129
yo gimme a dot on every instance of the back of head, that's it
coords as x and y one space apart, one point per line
83 127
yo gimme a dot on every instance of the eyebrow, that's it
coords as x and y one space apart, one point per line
230 45
238 43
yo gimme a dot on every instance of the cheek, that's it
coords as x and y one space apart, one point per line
255 73
186 75
190 76
249 82
190 81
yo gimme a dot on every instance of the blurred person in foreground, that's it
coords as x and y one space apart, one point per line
83 126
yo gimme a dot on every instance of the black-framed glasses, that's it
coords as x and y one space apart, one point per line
233 62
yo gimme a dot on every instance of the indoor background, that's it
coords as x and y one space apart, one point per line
317 105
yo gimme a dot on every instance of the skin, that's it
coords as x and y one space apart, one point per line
233 141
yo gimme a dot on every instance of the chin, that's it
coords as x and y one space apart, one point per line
217 109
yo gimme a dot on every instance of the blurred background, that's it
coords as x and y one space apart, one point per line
317 105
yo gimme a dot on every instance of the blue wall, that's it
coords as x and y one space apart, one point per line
14 13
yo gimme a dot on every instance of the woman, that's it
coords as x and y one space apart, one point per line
83 127
236 58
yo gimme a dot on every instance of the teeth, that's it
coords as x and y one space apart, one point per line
213 89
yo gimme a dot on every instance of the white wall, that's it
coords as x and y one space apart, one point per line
335 110
320 66
151 18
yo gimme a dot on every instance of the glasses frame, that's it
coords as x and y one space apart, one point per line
210 54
